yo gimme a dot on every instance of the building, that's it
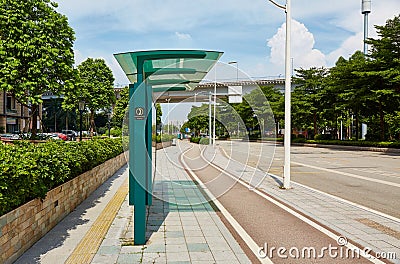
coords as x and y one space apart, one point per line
13 116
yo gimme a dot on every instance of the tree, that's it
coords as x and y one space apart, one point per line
383 71
353 90
198 119
121 107
95 87
158 117
36 52
307 95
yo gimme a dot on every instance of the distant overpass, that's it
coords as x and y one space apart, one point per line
202 90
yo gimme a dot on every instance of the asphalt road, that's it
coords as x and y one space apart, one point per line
266 223
371 179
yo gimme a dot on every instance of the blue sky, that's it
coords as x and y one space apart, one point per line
249 32
246 31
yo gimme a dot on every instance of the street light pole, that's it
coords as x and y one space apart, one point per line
169 99
287 137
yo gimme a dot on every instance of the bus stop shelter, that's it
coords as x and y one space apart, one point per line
148 72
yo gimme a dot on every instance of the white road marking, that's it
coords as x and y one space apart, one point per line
330 195
301 217
348 174
239 229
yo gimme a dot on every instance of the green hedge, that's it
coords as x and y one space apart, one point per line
204 141
360 143
29 171
163 138
195 139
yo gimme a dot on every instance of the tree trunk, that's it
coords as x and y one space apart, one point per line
35 110
315 124
382 121
335 128
357 125
92 124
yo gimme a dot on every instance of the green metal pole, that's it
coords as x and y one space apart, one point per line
139 157
149 123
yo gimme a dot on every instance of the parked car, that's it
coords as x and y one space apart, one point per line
71 134
6 137
55 136
61 136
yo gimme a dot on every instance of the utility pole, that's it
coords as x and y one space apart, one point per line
288 80
365 10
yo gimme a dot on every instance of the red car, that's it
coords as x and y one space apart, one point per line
62 136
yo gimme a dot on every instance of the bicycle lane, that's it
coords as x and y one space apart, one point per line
280 235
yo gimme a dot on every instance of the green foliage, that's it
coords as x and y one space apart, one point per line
36 51
197 119
29 170
158 113
121 107
381 144
95 86
323 137
195 139
307 97
299 140
204 141
163 138
116 132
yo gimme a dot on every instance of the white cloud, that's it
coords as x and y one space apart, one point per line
183 36
303 52
166 24
348 47
78 56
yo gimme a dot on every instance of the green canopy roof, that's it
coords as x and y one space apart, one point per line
167 70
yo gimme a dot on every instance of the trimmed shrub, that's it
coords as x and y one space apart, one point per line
195 139
29 171
360 143
204 141
323 137
299 140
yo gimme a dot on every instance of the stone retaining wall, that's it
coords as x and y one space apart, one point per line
22 227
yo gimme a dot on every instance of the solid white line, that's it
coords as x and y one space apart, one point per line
301 217
345 201
329 195
239 229
348 174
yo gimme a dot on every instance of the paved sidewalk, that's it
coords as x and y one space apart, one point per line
182 225
368 229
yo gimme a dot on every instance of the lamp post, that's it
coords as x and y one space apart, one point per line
287 137
168 99
81 107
